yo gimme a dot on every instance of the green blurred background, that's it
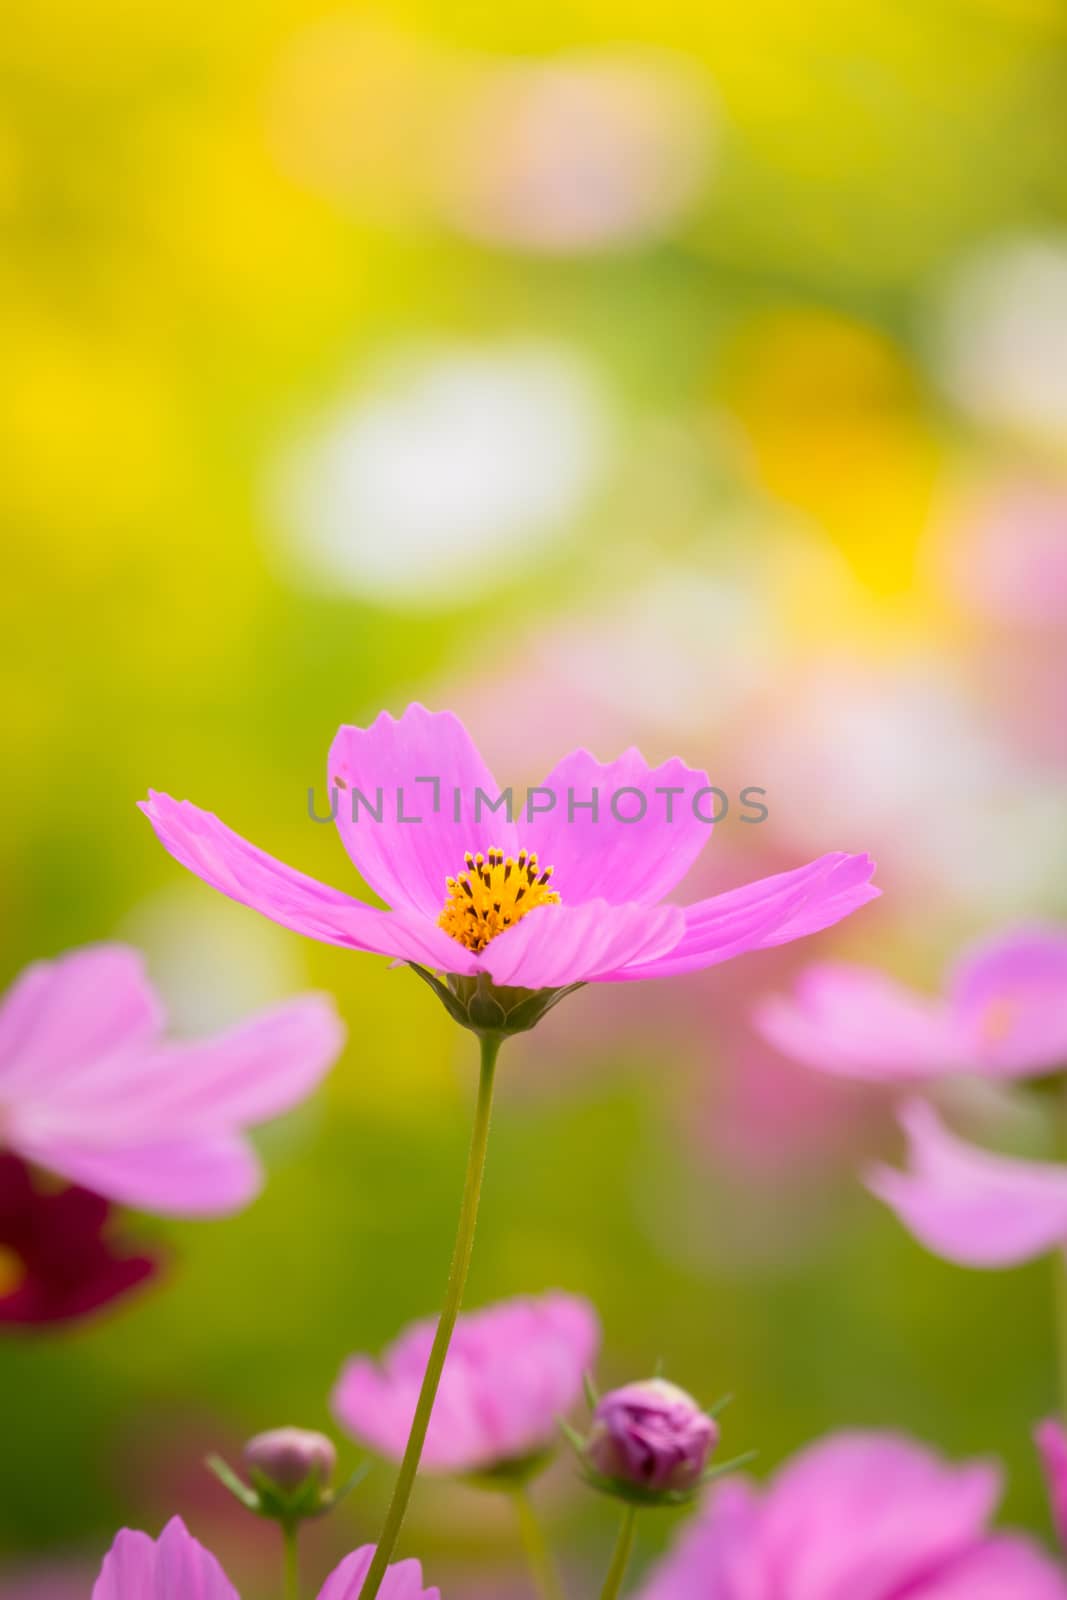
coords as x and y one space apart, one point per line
687 375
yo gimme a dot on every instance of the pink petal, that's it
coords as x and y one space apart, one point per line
971 1207
407 863
175 1567
402 1581
561 944
862 1516
256 1070
1009 1000
1051 1440
718 1555
768 912
612 859
201 1176
858 1023
512 1370
238 869
1003 1567
86 1004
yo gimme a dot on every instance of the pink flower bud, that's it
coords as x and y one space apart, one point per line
288 1457
652 1435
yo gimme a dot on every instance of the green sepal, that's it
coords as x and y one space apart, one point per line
634 1494
490 1010
266 1499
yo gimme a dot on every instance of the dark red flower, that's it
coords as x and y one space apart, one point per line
61 1255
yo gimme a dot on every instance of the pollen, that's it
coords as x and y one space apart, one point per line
493 893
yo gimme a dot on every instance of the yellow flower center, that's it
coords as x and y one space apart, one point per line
494 893
12 1271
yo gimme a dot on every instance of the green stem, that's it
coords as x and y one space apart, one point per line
621 1559
457 1279
1059 1261
292 1561
538 1556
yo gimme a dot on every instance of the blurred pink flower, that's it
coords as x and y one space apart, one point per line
175 1565
968 1204
511 1371
1004 1014
1051 1440
856 1516
605 923
92 1091
1008 553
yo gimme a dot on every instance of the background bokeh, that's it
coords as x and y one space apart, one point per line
685 375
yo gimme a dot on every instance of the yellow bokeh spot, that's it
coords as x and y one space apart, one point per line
12 1271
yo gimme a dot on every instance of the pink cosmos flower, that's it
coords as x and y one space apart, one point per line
970 1205
92 1091
857 1516
176 1567
555 898
512 1370
1003 1014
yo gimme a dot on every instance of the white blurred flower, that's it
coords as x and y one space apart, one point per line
212 962
903 761
579 152
445 474
1000 335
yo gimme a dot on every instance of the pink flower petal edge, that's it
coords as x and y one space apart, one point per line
176 1567
1050 1437
967 1204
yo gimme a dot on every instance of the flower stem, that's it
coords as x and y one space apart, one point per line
621 1559
538 1555
457 1279
292 1561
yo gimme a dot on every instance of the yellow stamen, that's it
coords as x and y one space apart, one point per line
493 893
12 1271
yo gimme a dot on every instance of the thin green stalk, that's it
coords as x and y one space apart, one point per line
621 1559
457 1279
538 1555
1059 1262
292 1561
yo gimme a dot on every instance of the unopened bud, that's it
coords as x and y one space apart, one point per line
288 1458
651 1436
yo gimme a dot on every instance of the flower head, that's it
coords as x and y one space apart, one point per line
61 1255
569 891
1002 1015
856 1514
90 1089
512 1369
651 1436
139 1568
288 1457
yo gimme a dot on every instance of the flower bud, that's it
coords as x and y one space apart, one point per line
289 1458
651 1436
